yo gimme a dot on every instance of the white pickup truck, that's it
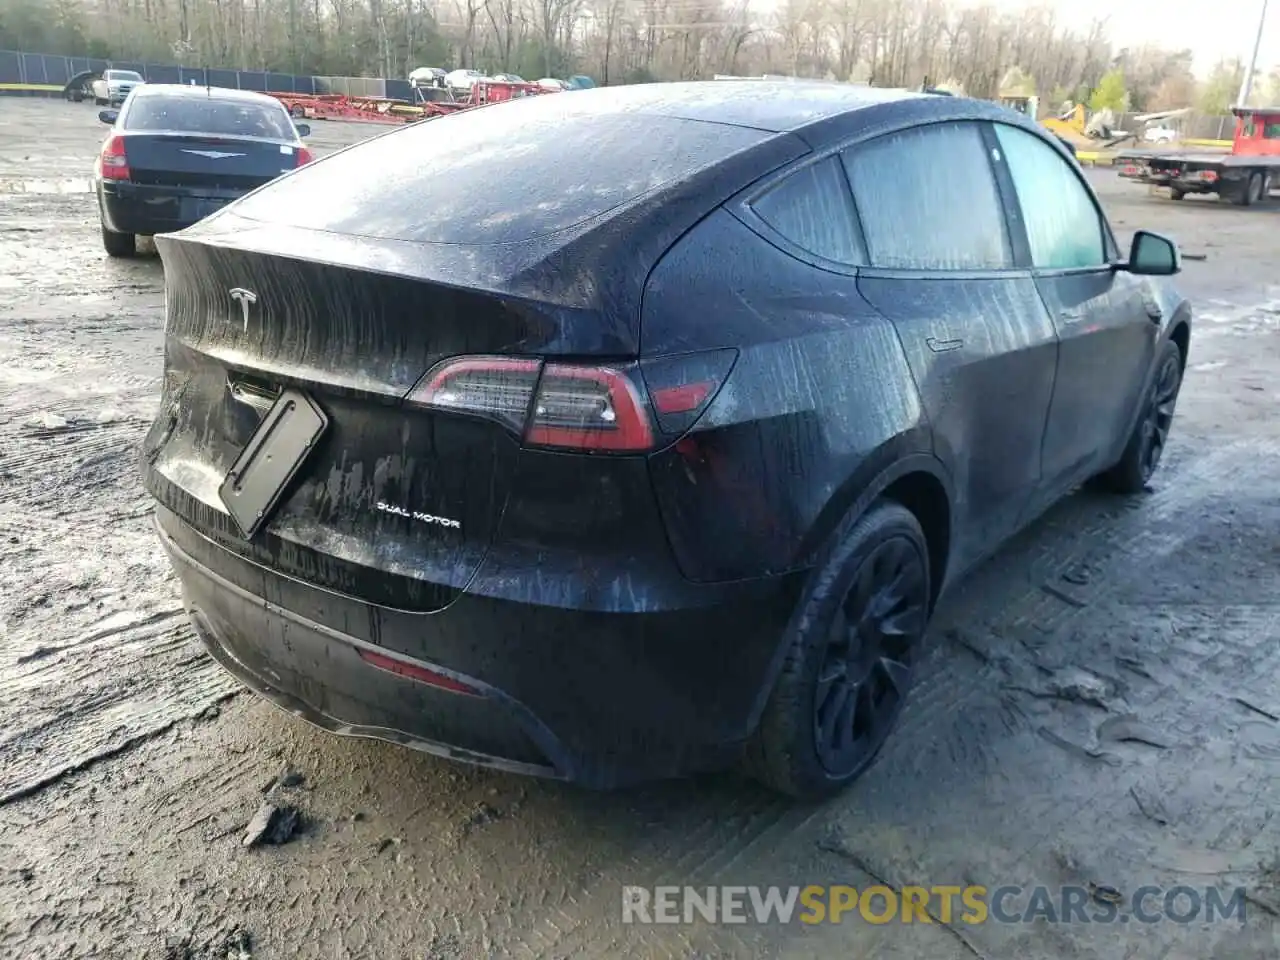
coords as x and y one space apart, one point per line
114 85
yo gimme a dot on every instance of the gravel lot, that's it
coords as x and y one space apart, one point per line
1100 704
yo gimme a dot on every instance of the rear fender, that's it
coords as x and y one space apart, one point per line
1181 317
897 458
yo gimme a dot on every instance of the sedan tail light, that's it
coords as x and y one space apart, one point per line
568 406
304 156
113 163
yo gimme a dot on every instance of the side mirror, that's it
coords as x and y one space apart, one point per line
1152 255
304 129
108 116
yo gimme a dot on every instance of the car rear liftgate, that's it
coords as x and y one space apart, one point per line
285 364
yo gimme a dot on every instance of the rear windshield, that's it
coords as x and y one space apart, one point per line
123 75
192 115
498 174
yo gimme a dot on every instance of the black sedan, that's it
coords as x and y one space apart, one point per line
646 439
176 154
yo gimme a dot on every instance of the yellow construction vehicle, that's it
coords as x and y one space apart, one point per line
1070 123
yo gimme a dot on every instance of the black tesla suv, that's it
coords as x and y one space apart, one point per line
647 439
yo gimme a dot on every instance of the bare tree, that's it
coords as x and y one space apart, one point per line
968 43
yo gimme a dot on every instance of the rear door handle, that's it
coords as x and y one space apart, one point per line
1071 316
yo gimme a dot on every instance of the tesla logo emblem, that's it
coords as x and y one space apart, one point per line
245 298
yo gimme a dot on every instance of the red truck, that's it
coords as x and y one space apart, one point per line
1244 176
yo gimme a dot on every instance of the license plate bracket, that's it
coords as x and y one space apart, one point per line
261 474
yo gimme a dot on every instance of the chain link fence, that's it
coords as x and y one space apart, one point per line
46 73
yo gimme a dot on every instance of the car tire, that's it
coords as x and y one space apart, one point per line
99 102
862 617
118 244
1253 192
1151 433
1176 194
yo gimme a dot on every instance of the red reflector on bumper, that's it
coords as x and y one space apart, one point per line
412 671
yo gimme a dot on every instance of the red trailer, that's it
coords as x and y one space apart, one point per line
337 106
1244 176
334 106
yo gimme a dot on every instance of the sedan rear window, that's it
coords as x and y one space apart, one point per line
192 115
498 174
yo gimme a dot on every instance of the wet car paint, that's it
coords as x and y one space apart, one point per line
615 572
966 787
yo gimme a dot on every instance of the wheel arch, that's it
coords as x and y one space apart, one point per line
902 471
918 481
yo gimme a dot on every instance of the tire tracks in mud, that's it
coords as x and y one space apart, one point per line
1007 602
95 655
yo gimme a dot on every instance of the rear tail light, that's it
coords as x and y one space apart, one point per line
574 406
112 163
682 386
304 156
588 408
499 388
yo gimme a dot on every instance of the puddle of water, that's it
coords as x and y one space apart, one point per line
79 185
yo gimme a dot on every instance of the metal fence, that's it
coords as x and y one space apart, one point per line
43 72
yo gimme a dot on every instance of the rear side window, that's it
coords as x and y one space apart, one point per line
928 200
812 208
499 174
200 115
1064 226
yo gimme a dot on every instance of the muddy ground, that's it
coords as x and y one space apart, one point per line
1099 704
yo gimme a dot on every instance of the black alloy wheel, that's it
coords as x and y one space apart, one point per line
1151 433
850 652
866 667
1158 416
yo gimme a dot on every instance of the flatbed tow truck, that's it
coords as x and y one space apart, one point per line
1244 176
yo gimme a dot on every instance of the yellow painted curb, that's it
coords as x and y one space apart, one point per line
1095 159
1210 143
45 87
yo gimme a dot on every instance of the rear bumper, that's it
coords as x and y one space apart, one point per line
147 210
602 699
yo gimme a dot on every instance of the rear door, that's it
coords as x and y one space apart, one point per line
1105 319
979 340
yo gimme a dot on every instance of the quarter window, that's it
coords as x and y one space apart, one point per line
928 200
812 208
1064 226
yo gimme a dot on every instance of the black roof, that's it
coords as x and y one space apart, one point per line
202 93
774 105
